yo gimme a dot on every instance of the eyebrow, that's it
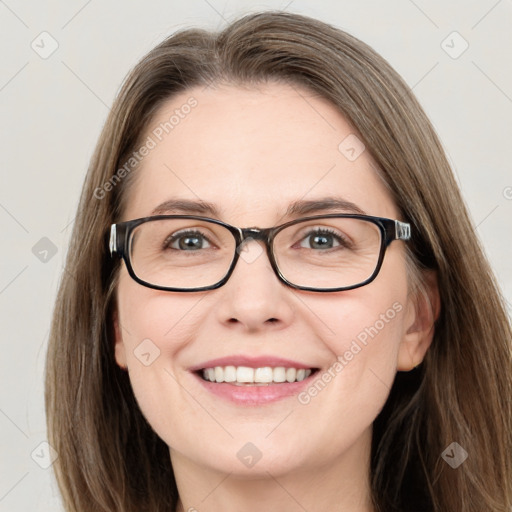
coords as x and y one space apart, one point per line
300 207
187 207
323 204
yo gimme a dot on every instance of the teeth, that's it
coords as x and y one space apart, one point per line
219 374
229 374
242 375
291 374
279 374
263 374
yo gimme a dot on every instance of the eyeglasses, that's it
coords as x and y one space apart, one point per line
187 253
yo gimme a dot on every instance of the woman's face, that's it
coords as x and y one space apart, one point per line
252 152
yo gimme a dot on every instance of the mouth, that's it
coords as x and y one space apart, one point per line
248 376
250 380
246 386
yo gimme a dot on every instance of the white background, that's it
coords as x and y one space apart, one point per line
52 110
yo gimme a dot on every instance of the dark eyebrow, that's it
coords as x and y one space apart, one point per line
300 207
186 207
323 204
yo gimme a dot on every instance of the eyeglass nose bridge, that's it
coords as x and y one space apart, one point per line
254 234
248 234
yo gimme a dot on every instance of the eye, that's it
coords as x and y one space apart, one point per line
322 238
186 241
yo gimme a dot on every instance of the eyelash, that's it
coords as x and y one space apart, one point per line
315 231
327 231
176 236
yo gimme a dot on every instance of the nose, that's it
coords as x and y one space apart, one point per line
254 298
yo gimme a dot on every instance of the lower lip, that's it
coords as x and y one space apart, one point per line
255 395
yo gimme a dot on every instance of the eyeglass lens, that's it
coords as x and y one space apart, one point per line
321 253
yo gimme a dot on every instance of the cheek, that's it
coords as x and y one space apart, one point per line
366 337
165 319
372 328
367 328
155 327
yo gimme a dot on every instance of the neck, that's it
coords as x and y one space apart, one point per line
340 483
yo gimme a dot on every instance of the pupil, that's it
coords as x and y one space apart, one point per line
321 241
190 242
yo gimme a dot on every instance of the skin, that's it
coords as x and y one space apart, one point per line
252 151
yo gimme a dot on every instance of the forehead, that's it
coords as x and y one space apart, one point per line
251 151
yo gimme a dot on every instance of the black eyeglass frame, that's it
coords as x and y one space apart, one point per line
120 233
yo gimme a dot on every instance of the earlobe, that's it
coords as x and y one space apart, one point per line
423 311
119 348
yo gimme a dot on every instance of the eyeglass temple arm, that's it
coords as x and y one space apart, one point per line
117 240
402 230
112 244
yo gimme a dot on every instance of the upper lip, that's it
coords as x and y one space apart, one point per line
251 362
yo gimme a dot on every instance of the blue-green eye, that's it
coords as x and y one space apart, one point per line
322 239
187 241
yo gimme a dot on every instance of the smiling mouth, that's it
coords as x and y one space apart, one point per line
247 376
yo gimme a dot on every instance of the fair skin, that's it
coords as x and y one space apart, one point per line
253 151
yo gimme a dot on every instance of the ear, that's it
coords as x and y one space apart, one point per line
423 309
120 349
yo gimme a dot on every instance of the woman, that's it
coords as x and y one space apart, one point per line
348 349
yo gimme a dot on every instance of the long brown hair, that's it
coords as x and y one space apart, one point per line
109 457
